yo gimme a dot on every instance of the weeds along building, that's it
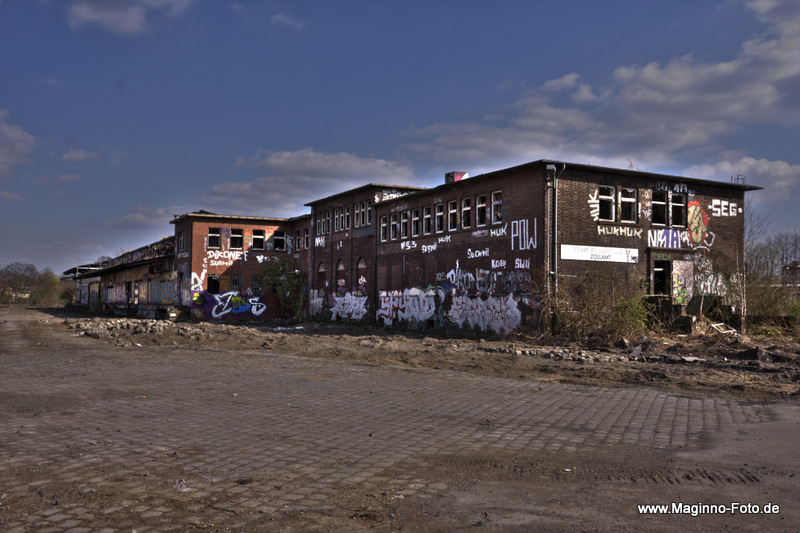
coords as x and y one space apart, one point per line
474 254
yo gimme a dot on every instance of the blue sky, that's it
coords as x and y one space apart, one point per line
117 114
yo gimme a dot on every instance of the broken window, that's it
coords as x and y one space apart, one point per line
677 204
659 207
439 218
627 205
415 223
606 198
427 220
452 215
213 238
236 282
497 207
258 239
279 241
237 238
213 283
662 278
393 227
480 210
466 213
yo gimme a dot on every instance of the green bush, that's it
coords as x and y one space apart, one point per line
287 283
67 296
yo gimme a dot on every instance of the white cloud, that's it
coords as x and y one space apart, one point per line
50 82
290 179
123 17
564 82
68 177
115 159
779 178
79 155
143 216
285 20
15 145
656 114
10 196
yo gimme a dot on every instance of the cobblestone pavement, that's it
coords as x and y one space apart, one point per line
227 438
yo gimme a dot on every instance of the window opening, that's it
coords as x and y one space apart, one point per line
497 207
213 238
627 205
480 210
606 198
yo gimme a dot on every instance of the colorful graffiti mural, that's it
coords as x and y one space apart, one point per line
698 226
206 306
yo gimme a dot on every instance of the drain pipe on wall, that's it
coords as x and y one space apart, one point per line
555 220
552 227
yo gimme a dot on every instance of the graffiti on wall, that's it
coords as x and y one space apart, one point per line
482 280
521 232
698 226
724 208
664 238
349 306
619 231
231 304
500 314
594 205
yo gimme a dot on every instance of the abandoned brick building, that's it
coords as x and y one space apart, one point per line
474 252
481 252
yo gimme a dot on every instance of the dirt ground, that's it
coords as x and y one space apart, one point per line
724 365
494 492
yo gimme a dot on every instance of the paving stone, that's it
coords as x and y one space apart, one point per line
294 439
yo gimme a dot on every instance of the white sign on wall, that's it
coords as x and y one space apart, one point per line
599 253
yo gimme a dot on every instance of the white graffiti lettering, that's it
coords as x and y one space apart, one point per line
619 231
198 281
319 241
408 245
474 254
446 238
663 238
594 205
519 229
499 232
522 263
428 248
724 208
498 263
349 306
